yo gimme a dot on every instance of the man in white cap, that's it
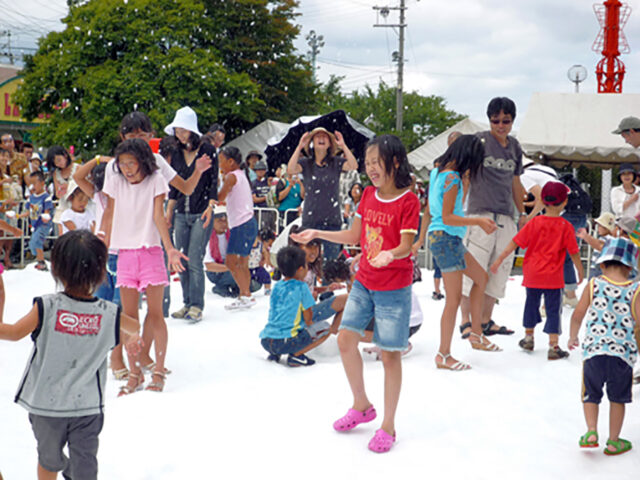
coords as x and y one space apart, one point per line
629 128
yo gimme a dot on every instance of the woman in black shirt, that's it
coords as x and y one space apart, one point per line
192 213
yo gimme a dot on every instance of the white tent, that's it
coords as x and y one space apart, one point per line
422 158
257 137
561 128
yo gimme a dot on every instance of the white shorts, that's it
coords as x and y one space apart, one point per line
487 248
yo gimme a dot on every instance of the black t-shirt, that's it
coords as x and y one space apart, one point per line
321 192
260 188
207 187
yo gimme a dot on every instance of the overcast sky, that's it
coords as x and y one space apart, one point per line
466 51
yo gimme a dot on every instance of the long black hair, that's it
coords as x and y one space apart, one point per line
394 158
316 266
53 152
141 151
79 261
467 153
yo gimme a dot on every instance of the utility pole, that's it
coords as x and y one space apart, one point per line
316 42
398 56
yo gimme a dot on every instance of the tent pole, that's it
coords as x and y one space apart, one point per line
605 191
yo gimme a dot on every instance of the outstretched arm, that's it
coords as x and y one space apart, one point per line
22 327
173 255
352 161
575 258
293 167
348 237
505 253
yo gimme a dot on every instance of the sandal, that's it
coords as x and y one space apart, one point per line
458 366
621 445
148 368
157 386
353 418
480 344
464 327
128 389
121 373
382 441
488 331
584 440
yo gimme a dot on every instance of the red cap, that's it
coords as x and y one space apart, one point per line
554 193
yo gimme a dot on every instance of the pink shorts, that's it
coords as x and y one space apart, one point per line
140 268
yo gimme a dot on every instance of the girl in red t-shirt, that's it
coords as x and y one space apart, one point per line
385 225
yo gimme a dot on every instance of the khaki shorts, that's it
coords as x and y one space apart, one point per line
487 248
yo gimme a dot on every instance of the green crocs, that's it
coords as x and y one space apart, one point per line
621 445
584 440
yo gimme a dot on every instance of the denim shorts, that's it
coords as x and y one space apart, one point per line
283 346
38 237
141 267
391 310
448 251
241 238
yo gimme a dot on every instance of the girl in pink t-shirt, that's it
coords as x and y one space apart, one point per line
236 191
385 225
133 223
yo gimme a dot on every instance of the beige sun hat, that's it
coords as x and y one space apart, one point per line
607 220
332 138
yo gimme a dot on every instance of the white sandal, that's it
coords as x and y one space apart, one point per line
458 366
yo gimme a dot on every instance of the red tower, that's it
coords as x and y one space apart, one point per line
611 41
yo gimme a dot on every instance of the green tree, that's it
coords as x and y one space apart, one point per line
231 61
424 116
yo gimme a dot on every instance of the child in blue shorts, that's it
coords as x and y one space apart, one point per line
39 208
290 312
611 304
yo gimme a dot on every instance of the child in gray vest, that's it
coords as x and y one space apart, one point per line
73 331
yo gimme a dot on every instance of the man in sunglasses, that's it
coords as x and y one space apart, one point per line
492 193
629 128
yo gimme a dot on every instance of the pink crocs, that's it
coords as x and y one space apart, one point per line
381 441
353 418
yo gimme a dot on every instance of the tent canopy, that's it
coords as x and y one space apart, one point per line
575 128
257 137
422 158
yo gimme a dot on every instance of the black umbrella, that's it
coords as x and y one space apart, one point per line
281 147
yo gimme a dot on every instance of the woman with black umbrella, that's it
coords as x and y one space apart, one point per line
321 179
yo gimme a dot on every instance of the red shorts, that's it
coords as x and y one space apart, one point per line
140 268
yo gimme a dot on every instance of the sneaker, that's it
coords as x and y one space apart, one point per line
182 313
299 361
527 343
437 296
242 303
273 358
42 266
194 315
556 353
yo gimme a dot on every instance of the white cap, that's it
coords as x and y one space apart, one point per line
219 210
185 118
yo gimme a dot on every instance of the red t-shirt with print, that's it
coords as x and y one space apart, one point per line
547 240
383 223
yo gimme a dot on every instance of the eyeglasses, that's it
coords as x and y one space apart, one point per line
504 121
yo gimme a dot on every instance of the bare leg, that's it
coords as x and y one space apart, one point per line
129 298
453 290
436 284
591 417
158 326
239 268
352 363
392 362
616 417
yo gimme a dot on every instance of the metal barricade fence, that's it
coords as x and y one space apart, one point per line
25 225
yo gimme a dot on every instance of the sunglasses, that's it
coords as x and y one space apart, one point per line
504 121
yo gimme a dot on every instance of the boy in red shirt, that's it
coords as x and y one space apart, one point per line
546 239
